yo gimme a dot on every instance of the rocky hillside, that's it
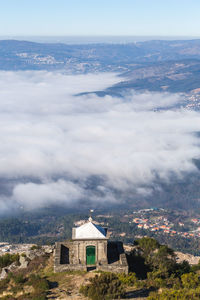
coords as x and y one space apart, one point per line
29 275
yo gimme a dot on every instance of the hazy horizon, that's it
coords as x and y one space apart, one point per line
90 39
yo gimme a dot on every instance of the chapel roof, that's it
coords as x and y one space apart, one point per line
89 230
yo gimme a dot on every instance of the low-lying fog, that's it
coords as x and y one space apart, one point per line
53 141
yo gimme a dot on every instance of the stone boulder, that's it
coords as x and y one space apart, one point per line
8 269
24 261
48 249
4 273
31 254
12 267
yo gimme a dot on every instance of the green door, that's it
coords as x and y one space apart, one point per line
90 255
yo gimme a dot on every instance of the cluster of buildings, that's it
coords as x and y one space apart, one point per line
38 59
158 224
161 224
194 100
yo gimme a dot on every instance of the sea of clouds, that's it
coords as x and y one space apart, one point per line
53 141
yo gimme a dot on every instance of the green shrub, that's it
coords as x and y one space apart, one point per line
182 268
129 279
105 286
40 285
36 247
84 290
33 278
171 294
7 259
4 284
174 282
18 279
190 280
43 285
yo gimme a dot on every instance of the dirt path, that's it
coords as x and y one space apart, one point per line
69 286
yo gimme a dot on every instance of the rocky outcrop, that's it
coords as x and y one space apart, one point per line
25 258
48 249
8 269
3 274
191 259
24 261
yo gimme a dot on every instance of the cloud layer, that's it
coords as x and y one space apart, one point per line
53 143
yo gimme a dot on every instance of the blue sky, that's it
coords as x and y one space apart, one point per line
100 17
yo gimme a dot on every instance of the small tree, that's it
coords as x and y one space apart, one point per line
164 260
148 245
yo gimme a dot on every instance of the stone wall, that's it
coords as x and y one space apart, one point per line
64 268
100 250
71 255
79 251
113 268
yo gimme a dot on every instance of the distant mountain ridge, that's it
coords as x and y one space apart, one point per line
149 51
172 66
